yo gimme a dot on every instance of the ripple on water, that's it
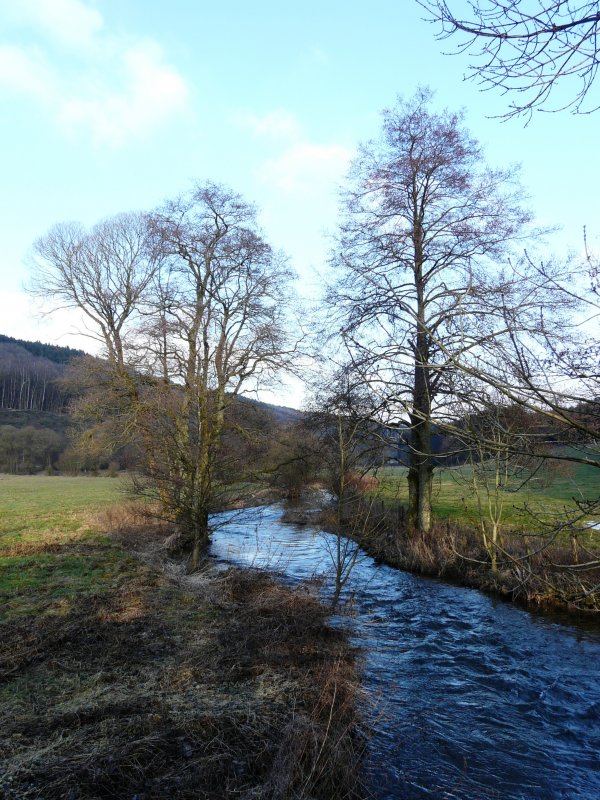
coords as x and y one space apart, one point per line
471 698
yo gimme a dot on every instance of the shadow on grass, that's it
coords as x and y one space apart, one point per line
146 689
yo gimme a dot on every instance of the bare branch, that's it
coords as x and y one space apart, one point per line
526 49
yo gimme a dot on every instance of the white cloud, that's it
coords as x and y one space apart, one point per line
111 89
68 22
149 93
25 72
279 124
304 165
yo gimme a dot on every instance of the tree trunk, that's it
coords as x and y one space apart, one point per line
420 473
420 476
200 539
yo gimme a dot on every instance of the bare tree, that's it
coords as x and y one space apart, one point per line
423 217
498 443
192 305
295 458
352 443
351 446
221 324
106 273
527 48
549 367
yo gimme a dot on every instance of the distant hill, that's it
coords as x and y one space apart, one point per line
56 353
30 374
34 403
282 414
30 382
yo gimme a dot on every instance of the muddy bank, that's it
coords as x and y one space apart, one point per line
221 684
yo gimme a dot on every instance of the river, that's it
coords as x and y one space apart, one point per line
469 697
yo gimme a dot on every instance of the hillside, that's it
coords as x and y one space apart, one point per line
283 415
34 402
51 352
30 376
30 373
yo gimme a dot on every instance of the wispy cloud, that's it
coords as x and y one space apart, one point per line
26 72
90 81
278 124
307 165
149 92
67 22
301 164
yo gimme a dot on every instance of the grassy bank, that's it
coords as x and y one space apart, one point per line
547 553
118 679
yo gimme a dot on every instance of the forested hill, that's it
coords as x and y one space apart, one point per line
30 375
56 353
284 415
33 404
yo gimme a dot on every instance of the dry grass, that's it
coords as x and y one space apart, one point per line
149 687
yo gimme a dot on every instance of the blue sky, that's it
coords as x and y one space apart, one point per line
115 105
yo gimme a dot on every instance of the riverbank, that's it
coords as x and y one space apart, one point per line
530 572
120 676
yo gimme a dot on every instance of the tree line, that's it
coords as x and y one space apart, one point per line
29 449
59 354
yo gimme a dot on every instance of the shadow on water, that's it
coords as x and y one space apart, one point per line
472 698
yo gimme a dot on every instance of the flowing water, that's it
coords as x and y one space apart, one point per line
470 697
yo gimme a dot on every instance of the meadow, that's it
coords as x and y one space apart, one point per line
51 548
542 493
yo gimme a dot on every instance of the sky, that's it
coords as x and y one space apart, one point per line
117 105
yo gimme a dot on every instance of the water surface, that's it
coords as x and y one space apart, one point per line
470 697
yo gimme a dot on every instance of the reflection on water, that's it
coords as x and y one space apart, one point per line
474 699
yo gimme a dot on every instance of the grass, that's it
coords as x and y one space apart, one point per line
34 503
454 499
50 549
120 680
546 553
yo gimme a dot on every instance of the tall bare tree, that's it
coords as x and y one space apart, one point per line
106 273
221 324
423 217
192 306
527 47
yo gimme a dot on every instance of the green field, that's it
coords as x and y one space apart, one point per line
51 549
455 499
